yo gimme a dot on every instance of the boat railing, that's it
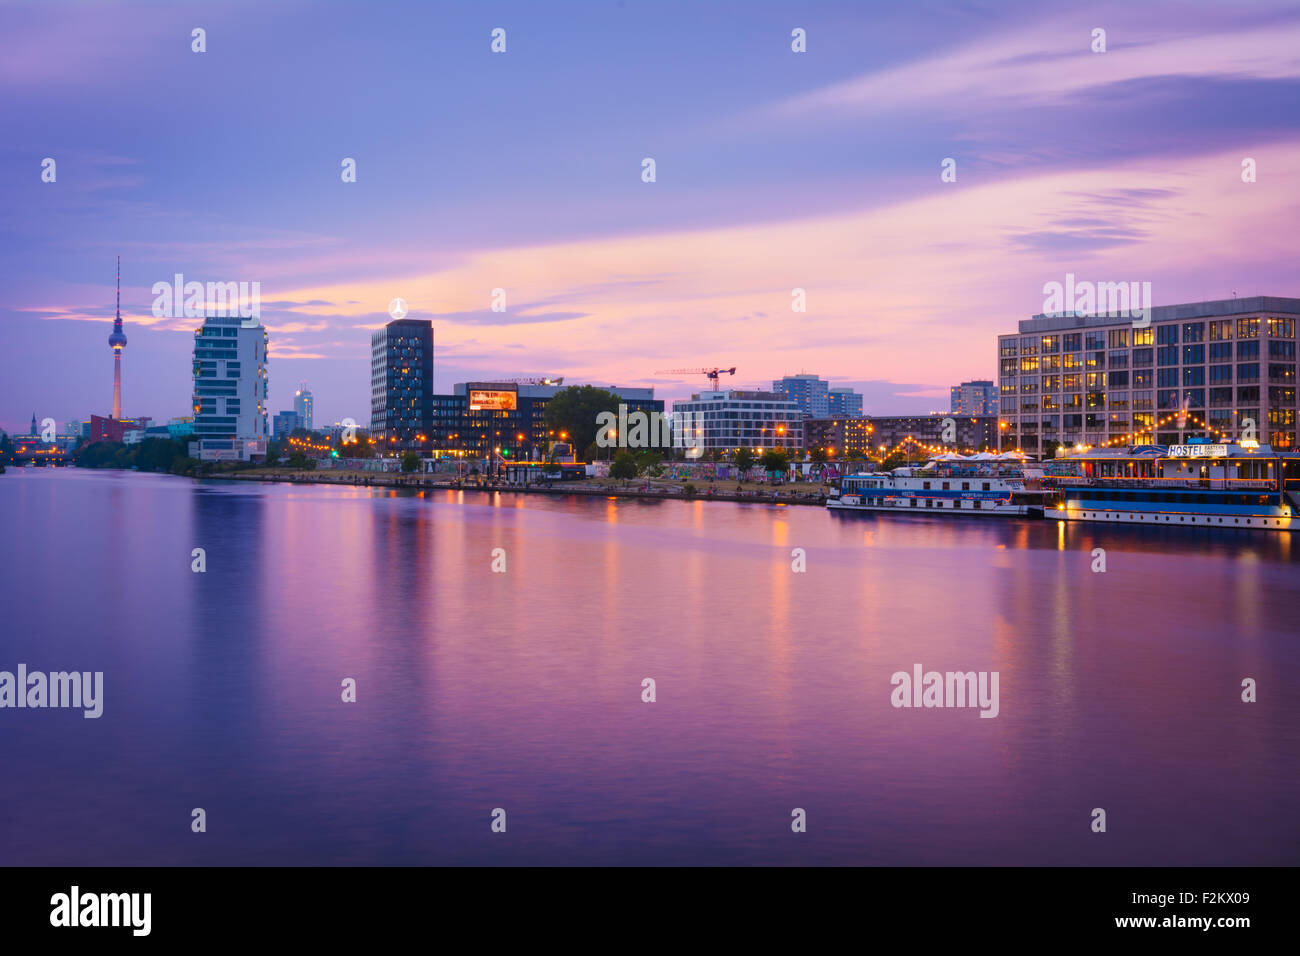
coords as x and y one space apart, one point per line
1226 483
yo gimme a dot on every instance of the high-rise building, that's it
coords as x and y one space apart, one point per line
401 383
302 402
977 397
723 421
809 393
843 403
230 380
117 342
1223 369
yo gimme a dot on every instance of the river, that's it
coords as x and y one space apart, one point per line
521 687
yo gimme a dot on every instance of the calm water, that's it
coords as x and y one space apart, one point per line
522 690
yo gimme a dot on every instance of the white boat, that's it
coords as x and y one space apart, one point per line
985 484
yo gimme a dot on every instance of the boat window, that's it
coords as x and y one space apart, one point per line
986 486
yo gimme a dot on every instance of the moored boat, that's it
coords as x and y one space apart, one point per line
955 485
1221 485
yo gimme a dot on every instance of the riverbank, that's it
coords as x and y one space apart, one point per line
643 488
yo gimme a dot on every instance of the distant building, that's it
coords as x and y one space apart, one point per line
843 403
978 397
180 427
810 394
838 437
480 417
284 423
401 383
77 429
724 421
302 406
969 432
230 383
118 429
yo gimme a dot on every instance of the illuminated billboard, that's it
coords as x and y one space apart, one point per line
491 400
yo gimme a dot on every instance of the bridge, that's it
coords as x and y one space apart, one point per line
39 452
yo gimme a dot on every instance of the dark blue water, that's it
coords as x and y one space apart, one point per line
522 690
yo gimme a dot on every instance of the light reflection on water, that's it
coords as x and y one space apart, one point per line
522 690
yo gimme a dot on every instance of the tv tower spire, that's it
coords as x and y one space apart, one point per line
117 342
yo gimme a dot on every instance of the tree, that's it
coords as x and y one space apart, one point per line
647 462
744 459
624 466
298 460
574 410
818 455
775 461
410 461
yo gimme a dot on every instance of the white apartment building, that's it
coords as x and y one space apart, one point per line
230 416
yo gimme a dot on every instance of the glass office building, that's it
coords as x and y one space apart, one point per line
1222 369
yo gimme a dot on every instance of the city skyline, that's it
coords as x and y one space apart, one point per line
1116 166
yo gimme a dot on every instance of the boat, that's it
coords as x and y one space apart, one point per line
950 484
1202 483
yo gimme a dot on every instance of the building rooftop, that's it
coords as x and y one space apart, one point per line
1247 306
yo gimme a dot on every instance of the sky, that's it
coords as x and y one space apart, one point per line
775 170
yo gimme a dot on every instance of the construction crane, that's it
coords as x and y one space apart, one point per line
711 373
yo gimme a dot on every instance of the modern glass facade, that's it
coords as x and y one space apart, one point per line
401 383
1223 369
724 421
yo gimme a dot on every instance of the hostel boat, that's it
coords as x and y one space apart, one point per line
1224 485
983 484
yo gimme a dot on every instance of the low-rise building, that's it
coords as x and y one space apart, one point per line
721 422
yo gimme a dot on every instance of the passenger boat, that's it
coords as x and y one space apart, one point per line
1223 485
951 484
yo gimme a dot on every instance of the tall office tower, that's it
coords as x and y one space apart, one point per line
302 402
117 342
230 382
401 383
809 392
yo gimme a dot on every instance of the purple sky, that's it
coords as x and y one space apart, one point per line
776 170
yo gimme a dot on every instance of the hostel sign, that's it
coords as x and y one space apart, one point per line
1198 451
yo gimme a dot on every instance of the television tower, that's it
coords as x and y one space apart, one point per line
117 342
